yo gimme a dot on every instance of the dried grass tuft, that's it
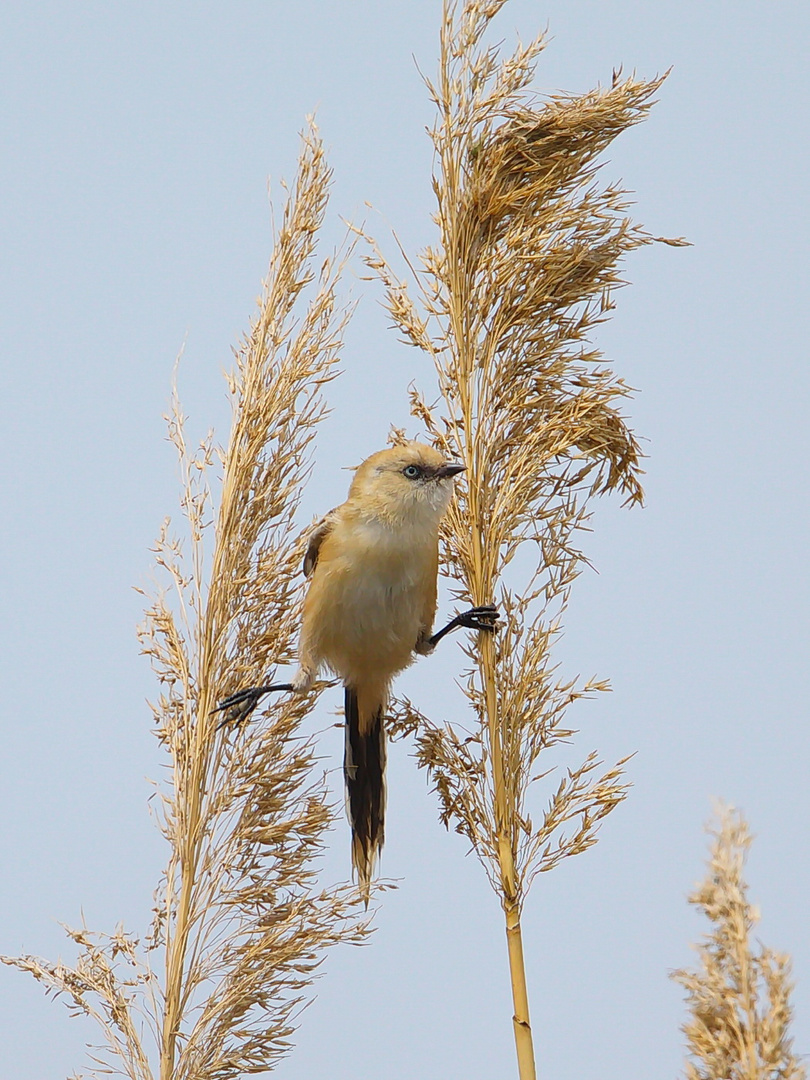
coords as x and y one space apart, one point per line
240 924
529 251
739 997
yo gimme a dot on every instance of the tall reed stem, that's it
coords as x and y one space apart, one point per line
523 1029
524 1043
527 256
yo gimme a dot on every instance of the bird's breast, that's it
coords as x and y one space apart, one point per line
366 601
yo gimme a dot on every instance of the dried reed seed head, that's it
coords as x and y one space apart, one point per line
739 998
542 155
238 914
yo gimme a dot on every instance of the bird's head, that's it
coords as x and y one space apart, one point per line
410 483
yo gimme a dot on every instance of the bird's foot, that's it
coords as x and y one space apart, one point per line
478 618
238 707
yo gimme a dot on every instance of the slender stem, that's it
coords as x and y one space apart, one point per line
524 1044
175 968
190 793
190 790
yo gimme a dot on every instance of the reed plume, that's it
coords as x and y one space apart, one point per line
240 924
523 270
739 998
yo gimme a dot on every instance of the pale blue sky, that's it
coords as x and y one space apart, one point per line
137 142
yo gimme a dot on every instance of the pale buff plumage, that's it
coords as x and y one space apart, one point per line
373 565
372 597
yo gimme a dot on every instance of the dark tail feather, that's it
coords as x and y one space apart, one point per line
364 771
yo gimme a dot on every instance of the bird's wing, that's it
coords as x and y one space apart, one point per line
429 595
320 530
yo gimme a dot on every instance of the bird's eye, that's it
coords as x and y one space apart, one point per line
413 472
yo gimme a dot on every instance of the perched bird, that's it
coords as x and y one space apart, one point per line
372 565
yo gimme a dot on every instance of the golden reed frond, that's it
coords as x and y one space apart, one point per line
739 997
239 921
527 258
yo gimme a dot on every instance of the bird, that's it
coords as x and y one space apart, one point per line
372 569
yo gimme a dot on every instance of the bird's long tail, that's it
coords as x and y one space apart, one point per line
364 771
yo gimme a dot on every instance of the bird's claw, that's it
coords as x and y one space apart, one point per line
251 695
480 618
238 707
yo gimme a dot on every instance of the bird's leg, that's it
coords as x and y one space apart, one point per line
477 618
238 707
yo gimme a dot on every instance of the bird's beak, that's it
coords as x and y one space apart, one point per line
450 469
